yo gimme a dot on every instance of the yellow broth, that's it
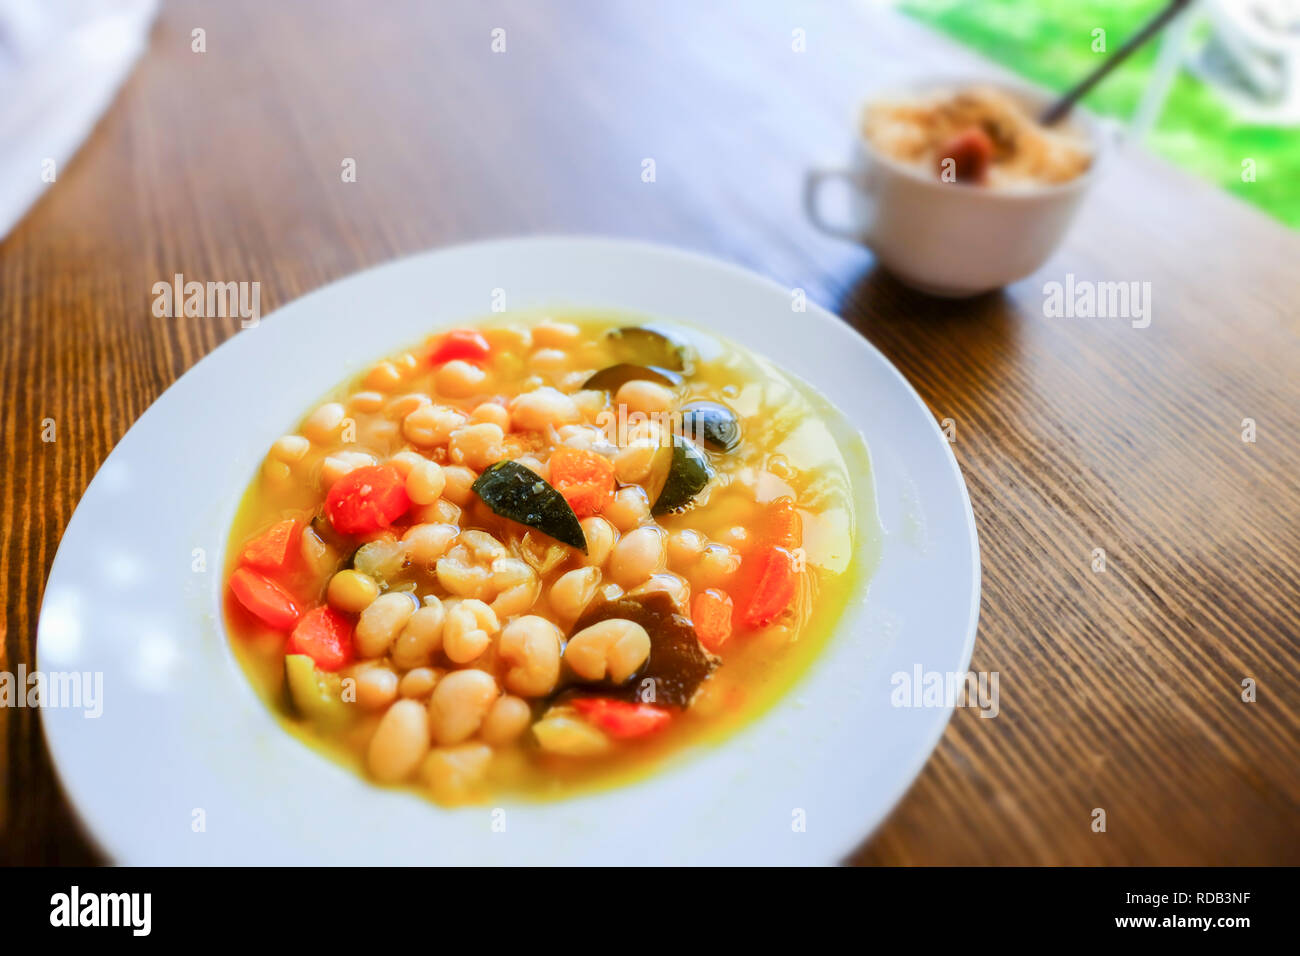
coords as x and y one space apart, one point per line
794 444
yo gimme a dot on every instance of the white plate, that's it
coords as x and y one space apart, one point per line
186 765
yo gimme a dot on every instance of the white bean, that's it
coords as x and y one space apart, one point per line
468 630
404 461
400 742
421 637
431 425
615 648
632 464
482 545
459 703
716 566
323 424
590 403
383 377
685 547
424 482
573 591
646 397
366 401
337 465
542 407
426 543
637 555
418 682
600 536
290 448
376 687
381 622
462 579
476 445
403 405
460 379
673 585
492 412
549 361
459 483
530 646
550 333
508 717
628 508
516 585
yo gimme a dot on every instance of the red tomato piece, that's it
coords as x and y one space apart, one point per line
324 635
367 499
775 579
621 719
465 344
270 549
264 598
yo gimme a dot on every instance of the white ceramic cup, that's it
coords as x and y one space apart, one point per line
950 239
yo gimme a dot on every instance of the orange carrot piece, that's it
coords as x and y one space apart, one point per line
264 598
784 526
711 611
324 635
585 478
270 549
774 580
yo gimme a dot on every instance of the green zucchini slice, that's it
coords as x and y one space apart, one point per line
645 346
315 695
712 423
612 378
688 474
515 492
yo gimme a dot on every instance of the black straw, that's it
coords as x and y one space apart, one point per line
1062 106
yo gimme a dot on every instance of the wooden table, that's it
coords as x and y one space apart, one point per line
1120 690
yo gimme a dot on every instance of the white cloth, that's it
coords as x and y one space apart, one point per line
61 61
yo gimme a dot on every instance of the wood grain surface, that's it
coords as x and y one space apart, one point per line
1120 690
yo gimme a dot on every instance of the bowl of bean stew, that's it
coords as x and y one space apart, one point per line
531 551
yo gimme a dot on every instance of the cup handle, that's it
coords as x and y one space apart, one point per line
812 185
